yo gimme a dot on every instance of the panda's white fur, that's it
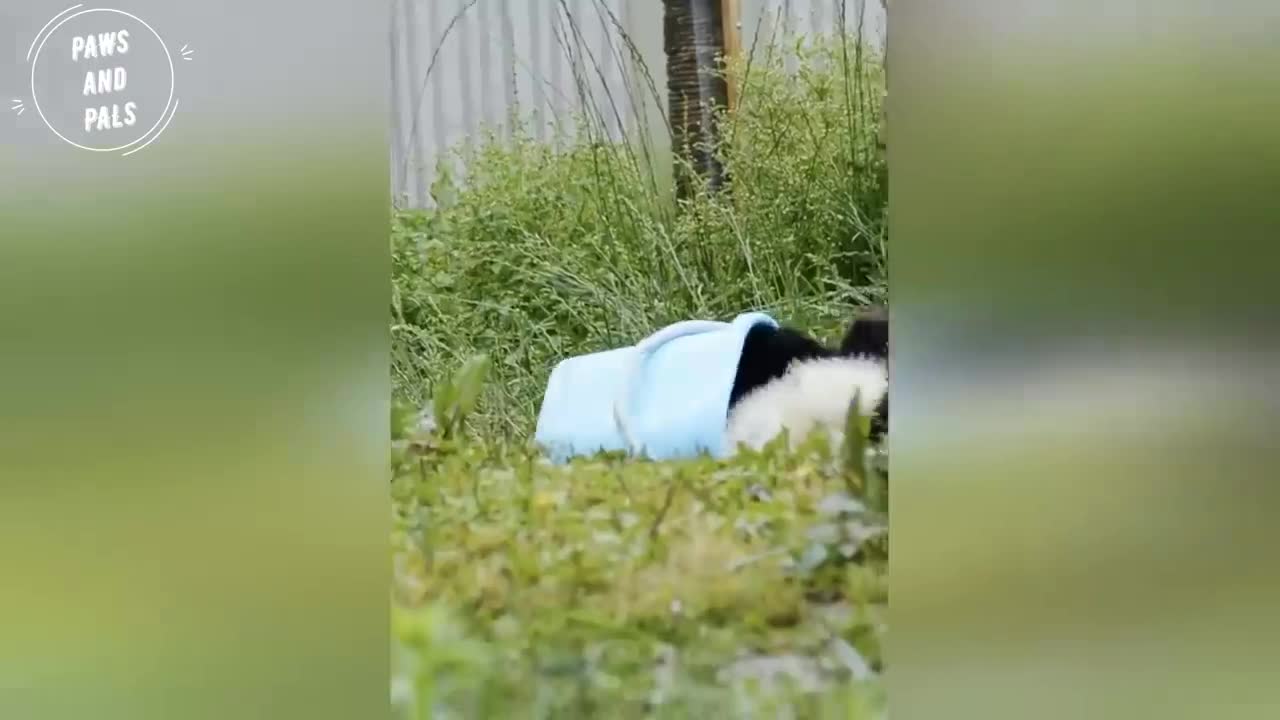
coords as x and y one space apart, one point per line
813 394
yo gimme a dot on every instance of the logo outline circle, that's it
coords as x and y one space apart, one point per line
35 99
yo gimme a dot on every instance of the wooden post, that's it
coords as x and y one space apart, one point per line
692 39
731 31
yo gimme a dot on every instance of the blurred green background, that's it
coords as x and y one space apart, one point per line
1084 360
193 429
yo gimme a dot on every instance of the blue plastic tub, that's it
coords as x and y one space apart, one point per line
665 397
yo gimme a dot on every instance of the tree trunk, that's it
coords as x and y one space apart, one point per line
693 39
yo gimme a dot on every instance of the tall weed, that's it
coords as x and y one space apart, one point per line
543 252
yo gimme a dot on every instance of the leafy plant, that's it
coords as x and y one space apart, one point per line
456 399
647 589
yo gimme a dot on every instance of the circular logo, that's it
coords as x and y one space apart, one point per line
102 80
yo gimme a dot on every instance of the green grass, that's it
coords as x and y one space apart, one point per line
620 589
624 589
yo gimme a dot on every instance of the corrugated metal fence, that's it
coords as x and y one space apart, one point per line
461 65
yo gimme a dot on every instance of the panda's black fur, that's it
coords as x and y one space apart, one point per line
771 354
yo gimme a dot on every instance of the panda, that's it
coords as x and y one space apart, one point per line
788 380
